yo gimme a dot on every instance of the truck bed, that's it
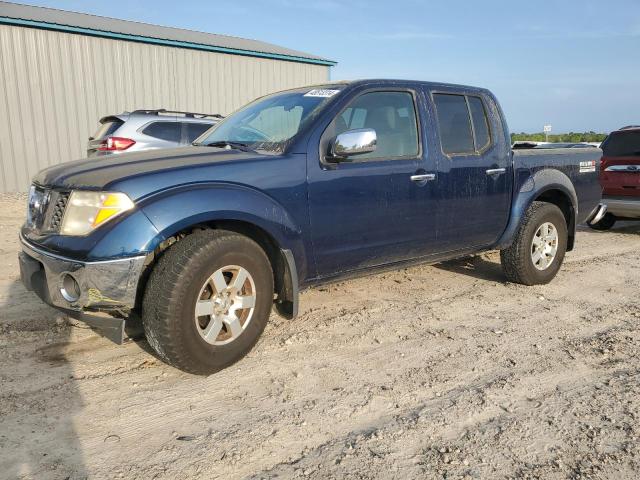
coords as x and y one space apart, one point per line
580 165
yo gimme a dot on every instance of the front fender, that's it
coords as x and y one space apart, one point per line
531 188
177 209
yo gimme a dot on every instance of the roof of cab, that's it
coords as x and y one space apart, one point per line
403 82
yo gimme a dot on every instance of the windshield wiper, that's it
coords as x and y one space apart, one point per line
243 147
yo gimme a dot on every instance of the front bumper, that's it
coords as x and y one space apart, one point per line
84 290
623 207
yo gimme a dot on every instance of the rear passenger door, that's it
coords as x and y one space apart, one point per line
474 170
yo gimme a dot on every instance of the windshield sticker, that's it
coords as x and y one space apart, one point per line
589 166
321 93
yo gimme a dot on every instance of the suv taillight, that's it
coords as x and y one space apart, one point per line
112 144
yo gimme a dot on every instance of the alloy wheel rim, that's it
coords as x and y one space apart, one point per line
544 246
225 305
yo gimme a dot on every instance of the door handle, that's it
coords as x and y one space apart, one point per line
423 177
496 171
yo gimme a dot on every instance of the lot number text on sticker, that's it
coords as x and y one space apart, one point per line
321 93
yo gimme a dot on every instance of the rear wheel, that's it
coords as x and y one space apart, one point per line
538 249
208 300
607 222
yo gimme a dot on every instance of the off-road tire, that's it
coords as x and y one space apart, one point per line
516 260
606 223
168 306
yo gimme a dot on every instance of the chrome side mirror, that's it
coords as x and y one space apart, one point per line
354 142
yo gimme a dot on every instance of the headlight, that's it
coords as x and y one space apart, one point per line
87 210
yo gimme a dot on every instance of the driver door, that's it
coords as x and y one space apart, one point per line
370 210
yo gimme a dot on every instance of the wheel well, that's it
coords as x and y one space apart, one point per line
563 202
281 274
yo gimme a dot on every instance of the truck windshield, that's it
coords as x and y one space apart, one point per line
271 122
622 144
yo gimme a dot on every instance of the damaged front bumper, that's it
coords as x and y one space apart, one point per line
100 293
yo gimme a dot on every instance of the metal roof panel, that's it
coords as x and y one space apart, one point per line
54 19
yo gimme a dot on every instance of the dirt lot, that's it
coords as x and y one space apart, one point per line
430 372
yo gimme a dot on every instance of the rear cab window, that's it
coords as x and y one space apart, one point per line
463 123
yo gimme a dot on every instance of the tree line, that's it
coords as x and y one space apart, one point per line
571 137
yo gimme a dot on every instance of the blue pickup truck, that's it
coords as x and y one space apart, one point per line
297 188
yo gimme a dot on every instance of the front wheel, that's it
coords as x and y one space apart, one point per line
537 252
208 300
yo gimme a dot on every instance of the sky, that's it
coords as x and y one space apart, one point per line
573 64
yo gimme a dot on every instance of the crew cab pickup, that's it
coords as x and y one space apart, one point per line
296 189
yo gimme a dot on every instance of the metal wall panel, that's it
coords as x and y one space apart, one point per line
54 87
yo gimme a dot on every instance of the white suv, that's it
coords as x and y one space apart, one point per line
148 129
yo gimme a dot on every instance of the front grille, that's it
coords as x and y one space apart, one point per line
57 211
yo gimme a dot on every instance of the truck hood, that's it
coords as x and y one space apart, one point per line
103 173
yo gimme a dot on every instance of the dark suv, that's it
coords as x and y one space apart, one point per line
148 129
620 176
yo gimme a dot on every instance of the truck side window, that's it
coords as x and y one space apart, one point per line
353 118
480 122
456 136
392 115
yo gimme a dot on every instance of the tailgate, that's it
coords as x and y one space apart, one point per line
620 176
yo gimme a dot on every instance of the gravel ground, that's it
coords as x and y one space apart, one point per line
439 371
